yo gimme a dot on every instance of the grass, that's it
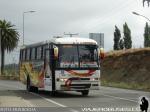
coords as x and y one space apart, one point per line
133 86
127 69
125 51
9 75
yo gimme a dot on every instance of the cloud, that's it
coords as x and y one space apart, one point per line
54 17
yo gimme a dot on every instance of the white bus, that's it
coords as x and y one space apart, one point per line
61 64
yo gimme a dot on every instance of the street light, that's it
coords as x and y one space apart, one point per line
135 13
23 22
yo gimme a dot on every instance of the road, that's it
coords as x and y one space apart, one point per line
13 94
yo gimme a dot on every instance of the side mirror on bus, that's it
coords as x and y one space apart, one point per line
101 53
56 53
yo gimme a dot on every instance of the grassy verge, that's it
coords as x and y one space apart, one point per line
9 75
135 86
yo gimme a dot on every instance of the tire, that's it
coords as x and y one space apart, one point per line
35 89
85 92
31 88
53 93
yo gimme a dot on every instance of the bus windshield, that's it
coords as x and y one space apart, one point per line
77 56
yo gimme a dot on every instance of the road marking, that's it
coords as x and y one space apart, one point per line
115 97
31 105
54 102
49 100
27 102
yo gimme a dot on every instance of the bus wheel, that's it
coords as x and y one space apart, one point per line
85 92
53 93
28 85
31 88
35 89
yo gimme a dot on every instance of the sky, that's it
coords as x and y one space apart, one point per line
54 17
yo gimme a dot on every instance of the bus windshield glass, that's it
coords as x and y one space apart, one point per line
88 56
77 56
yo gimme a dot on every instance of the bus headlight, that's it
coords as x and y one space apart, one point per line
94 79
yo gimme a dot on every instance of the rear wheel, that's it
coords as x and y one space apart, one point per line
85 92
29 87
53 93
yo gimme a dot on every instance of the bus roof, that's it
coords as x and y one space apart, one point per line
64 40
74 40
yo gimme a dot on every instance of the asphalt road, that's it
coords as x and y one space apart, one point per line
13 94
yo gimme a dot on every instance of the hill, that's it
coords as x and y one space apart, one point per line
127 69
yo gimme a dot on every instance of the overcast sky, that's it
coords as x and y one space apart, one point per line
54 17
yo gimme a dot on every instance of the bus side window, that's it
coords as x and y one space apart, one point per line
28 54
39 50
42 52
20 55
24 54
33 54
44 47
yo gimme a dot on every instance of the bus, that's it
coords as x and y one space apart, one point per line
61 64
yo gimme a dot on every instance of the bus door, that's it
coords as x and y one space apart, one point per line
48 73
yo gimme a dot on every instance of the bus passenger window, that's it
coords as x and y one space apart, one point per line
39 50
44 47
33 54
28 54
42 52
21 55
24 54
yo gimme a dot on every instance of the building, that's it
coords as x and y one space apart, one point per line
98 37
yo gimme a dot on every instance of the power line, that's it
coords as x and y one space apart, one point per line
114 12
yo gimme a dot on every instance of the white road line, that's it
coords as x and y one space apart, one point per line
54 102
49 100
120 98
6 85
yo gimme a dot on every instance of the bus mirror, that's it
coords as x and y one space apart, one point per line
56 53
101 53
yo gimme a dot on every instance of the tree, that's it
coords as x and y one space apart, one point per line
121 44
127 37
147 36
117 37
9 39
148 2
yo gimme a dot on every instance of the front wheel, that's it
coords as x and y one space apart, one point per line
53 93
85 92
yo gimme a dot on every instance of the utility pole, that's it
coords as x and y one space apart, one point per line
23 22
70 34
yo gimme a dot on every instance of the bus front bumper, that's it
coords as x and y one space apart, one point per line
75 86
